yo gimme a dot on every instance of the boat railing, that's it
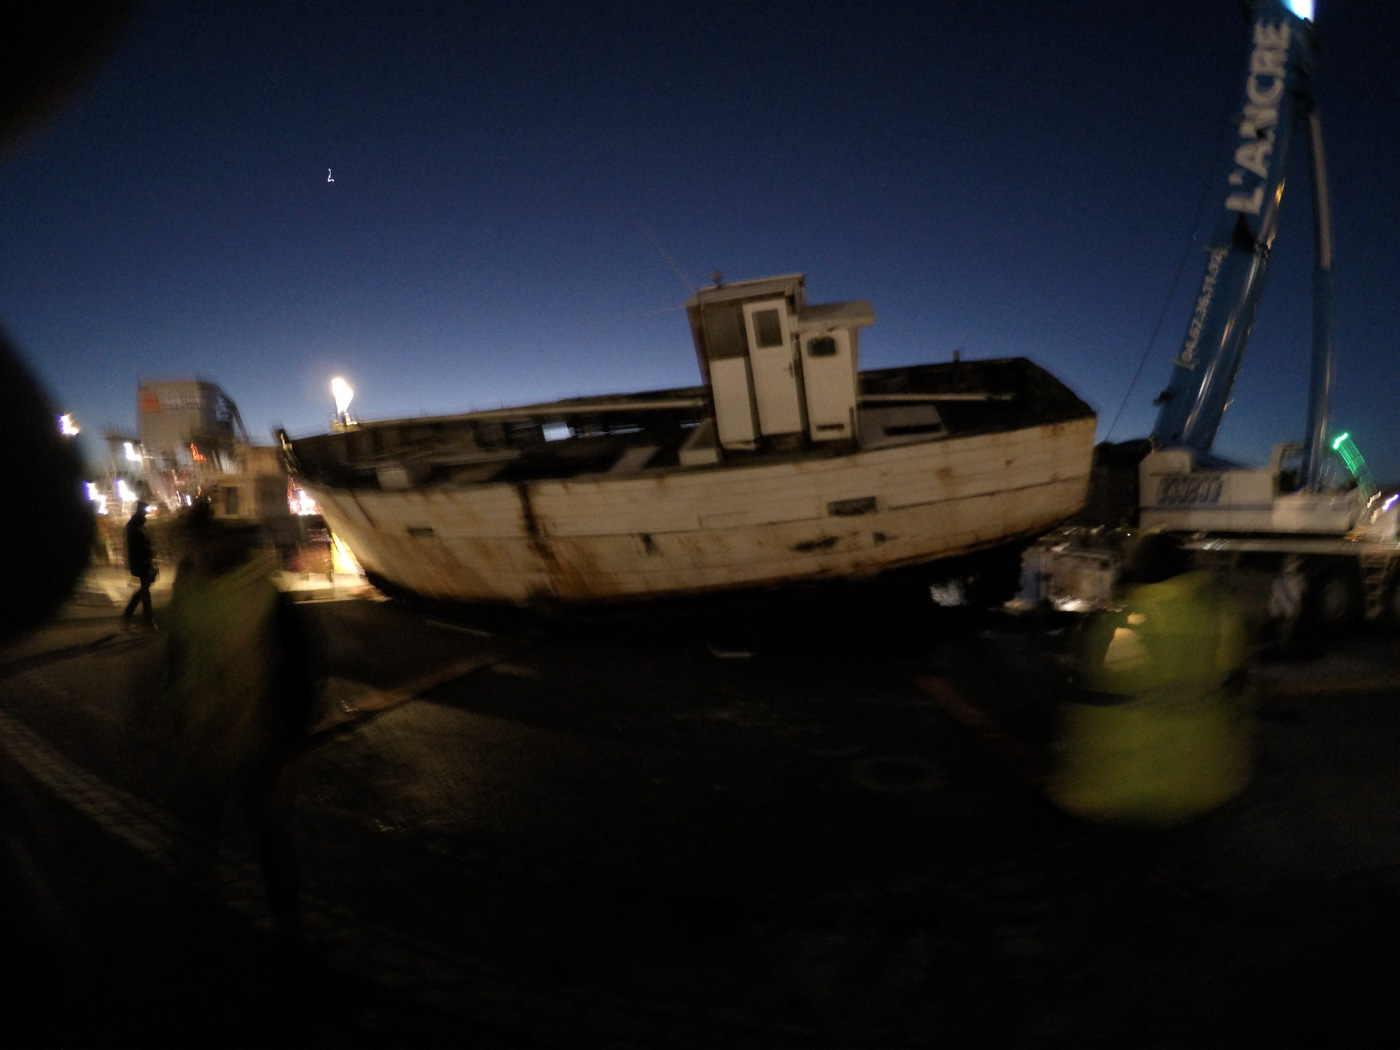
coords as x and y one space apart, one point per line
925 398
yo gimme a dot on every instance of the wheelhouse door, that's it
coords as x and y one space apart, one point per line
774 367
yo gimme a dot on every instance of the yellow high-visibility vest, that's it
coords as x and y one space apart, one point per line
221 635
1160 733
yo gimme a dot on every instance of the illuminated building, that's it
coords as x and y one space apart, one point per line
188 429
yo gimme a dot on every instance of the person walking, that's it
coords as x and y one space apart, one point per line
245 668
141 563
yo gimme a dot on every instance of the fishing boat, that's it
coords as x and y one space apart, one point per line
787 465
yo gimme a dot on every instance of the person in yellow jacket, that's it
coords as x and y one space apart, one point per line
1158 733
244 671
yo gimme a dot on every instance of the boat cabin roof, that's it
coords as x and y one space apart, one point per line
756 289
856 314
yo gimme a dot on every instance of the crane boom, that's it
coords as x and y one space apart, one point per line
1331 543
1276 100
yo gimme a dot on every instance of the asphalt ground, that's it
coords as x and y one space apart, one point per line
636 834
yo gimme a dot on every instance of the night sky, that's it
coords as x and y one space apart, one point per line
525 194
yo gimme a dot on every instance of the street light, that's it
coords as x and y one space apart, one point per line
342 392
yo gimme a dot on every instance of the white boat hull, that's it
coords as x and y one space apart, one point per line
689 530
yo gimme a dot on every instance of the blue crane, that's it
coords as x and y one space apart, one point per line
1277 105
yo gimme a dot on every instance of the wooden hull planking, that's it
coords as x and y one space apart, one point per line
688 531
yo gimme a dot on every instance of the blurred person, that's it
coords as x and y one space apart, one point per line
1158 733
141 563
50 537
46 52
243 674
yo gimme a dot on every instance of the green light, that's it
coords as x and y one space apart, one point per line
1355 463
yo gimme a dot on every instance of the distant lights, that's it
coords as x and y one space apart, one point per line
66 425
1301 8
302 504
131 452
97 498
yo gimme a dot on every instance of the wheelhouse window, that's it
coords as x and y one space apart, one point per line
724 331
767 328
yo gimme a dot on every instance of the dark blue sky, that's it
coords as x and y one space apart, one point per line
1001 178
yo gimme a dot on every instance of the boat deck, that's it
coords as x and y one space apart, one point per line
672 430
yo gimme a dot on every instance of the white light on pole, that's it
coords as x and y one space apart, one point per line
342 392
